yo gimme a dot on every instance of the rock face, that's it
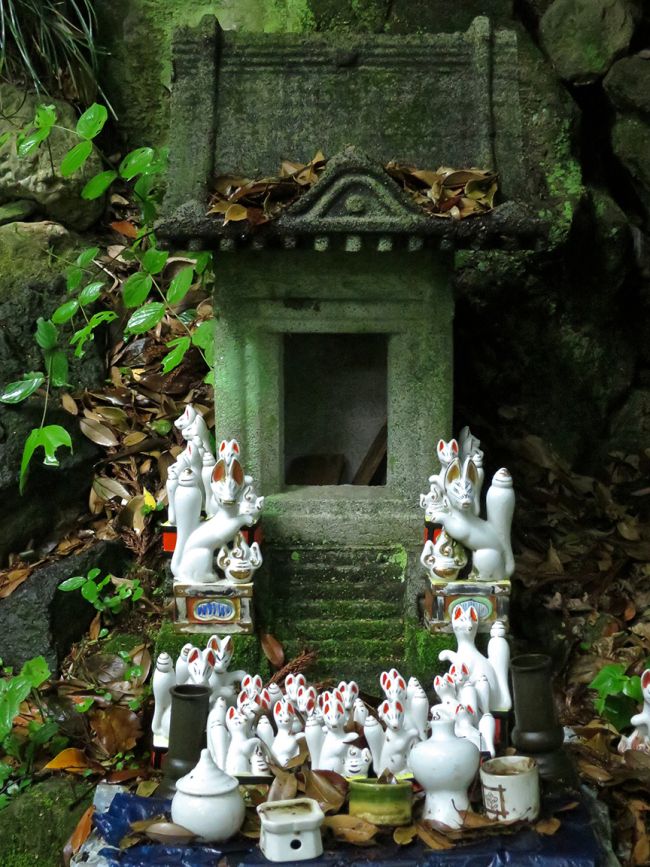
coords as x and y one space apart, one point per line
628 84
584 37
631 144
32 177
37 823
39 620
31 285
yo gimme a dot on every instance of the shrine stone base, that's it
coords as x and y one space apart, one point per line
491 599
208 608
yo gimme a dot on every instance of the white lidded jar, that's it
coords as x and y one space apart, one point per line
444 766
208 802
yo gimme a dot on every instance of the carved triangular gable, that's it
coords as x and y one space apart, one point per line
355 196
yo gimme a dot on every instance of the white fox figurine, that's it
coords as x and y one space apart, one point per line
640 737
286 744
487 539
196 564
494 667
335 743
222 682
443 557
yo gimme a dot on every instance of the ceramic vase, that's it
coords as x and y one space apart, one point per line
381 803
536 727
537 731
208 802
187 725
510 787
444 766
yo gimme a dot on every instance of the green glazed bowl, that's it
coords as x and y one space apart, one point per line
381 803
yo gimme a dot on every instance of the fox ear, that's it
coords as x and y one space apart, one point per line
237 472
222 447
458 613
194 654
453 472
471 472
211 658
235 447
645 678
473 614
454 446
219 471
231 712
441 446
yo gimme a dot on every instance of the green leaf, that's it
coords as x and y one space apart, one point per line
202 261
174 358
46 334
45 117
204 334
49 438
73 278
95 572
98 185
136 288
633 688
14 392
92 121
58 367
4 138
84 334
75 158
65 312
135 162
609 680
154 260
145 317
85 705
16 692
180 285
36 671
86 256
89 591
91 293
73 583
162 426
27 144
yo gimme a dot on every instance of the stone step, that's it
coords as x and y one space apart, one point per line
340 609
351 648
364 671
318 629
342 587
327 557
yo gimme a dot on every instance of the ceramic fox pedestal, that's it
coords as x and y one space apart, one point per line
200 484
468 558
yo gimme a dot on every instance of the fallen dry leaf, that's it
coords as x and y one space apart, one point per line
350 829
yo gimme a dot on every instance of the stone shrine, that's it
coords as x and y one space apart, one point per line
335 320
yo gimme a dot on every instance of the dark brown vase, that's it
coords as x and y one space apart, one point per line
187 724
537 732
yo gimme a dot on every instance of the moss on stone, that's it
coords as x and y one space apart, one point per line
247 655
421 652
37 823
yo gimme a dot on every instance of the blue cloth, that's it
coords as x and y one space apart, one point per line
575 844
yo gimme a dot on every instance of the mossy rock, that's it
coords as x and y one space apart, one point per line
248 653
421 652
584 37
37 823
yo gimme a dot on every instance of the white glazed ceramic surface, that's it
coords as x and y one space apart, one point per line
453 501
208 802
444 766
291 830
510 788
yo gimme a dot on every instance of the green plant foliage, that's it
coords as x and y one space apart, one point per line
618 694
50 44
86 286
15 392
50 438
116 592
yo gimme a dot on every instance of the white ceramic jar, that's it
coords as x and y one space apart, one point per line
510 788
208 802
444 766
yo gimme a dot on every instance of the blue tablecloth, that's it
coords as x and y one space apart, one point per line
575 844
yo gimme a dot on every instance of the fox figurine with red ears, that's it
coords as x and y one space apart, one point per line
494 667
640 737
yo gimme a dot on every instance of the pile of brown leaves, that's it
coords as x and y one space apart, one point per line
449 193
583 557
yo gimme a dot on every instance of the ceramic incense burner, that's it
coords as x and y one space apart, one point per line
208 802
291 829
